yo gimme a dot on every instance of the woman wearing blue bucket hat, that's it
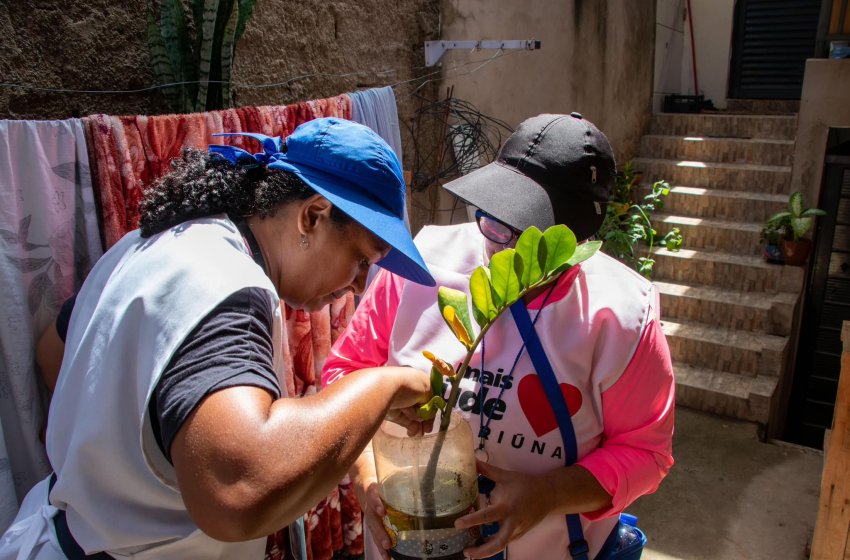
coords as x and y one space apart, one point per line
168 432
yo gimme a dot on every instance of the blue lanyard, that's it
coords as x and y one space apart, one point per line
578 545
484 422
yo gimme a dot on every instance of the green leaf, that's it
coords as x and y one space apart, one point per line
505 273
429 410
799 226
527 249
228 49
438 383
811 212
172 23
795 203
246 10
560 243
582 253
483 307
458 316
206 34
779 216
160 62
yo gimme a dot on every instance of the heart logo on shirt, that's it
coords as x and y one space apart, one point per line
536 407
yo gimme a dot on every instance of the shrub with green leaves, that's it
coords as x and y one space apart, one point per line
196 70
539 258
627 227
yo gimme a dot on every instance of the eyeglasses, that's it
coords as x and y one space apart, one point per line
494 230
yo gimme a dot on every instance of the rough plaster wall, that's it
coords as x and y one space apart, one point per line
823 104
102 44
596 58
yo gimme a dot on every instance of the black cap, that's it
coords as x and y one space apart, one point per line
555 169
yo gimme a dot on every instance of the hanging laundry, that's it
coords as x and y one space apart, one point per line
49 241
131 152
377 109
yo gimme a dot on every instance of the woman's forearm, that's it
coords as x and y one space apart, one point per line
270 461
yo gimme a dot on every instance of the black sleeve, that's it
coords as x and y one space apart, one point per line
64 317
231 346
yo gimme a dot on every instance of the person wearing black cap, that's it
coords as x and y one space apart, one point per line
167 430
599 327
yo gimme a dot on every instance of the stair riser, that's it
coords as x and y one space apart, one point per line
772 182
775 320
763 106
716 151
777 128
770 278
721 404
729 359
739 242
724 208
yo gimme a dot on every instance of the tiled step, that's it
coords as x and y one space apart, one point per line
779 127
728 176
731 351
725 270
701 202
726 394
718 150
740 238
770 313
763 106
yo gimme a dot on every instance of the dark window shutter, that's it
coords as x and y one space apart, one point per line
772 40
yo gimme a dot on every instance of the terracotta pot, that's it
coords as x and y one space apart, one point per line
796 252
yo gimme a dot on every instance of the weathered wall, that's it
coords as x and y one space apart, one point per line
102 45
670 23
674 68
596 58
343 45
823 104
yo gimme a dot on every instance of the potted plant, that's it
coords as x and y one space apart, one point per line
427 482
770 236
797 220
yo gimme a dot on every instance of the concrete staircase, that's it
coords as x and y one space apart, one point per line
726 312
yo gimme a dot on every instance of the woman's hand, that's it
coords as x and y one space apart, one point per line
365 484
373 515
413 390
518 502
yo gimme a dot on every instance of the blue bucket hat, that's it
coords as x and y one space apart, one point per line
356 171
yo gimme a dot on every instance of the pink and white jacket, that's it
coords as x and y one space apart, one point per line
600 329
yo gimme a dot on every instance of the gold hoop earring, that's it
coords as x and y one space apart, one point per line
305 243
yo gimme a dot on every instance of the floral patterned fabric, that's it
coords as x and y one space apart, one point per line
129 153
48 243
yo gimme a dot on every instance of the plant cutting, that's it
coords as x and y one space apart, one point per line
796 220
438 490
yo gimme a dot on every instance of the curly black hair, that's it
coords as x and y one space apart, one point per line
201 184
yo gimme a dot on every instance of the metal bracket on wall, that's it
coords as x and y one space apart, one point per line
434 50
